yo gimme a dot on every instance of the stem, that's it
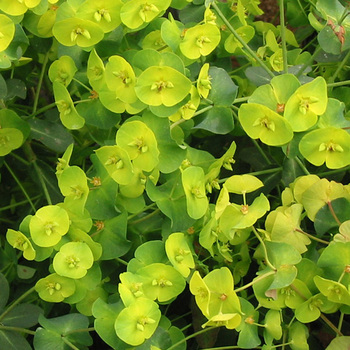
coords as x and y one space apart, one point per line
261 151
203 110
20 186
123 262
241 41
341 319
17 329
191 336
25 162
330 207
43 109
283 37
16 302
256 280
71 345
40 82
82 330
268 263
42 182
18 203
311 236
82 84
151 206
339 83
146 217
331 172
340 67
241 99
302 166
331 325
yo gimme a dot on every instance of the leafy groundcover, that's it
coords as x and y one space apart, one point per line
174 175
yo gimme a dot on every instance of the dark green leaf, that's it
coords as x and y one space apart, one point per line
291 170
52 135
13 341
16 88
257 75
3 87
23 315
4 291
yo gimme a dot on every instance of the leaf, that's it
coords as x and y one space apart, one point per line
112 237
4 291
223 90
14 341
257 75
337 343
218 120
325 220
3 87
52 135
23 316
16 88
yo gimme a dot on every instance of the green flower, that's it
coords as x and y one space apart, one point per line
17 8
179 253
162 85
200 40
203 81
48 225
77 31
19 241
138 321
137 12
7 31
10 139
328 145
55 288
62 70
73 260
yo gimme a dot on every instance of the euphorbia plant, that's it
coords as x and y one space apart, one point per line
174 175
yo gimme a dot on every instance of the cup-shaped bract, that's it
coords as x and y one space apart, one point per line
245 183
200 40
334 291
242 216
77 31
117 162
306 104
17 8
55 288
179 253
136 186
201 293
203 81
162 85
162 282
193 182
95 71
188 110
73 260
273 324
327 145
10 139
138 321
63 162
105 13
131 287
138 12
62 70
48 225
276 94
229 320
260 122
7 31
69 116
222 298
73 184
140 143
232 45
19 241
120 78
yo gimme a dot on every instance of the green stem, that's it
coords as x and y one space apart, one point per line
18 203
82 330
174 346
17 329
241 41
256 280
25 162
241 99
82 84
261 151
42 182
339 83
330 207
341 319
151 206
43 109
336 171
268 263
17 301
71 345
203 110
123 262
340 67
283 37
146 217
311 236
20 186
302 166
40 82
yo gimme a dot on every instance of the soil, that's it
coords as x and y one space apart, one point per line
271 11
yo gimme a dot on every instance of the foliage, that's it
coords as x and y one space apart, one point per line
174 175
